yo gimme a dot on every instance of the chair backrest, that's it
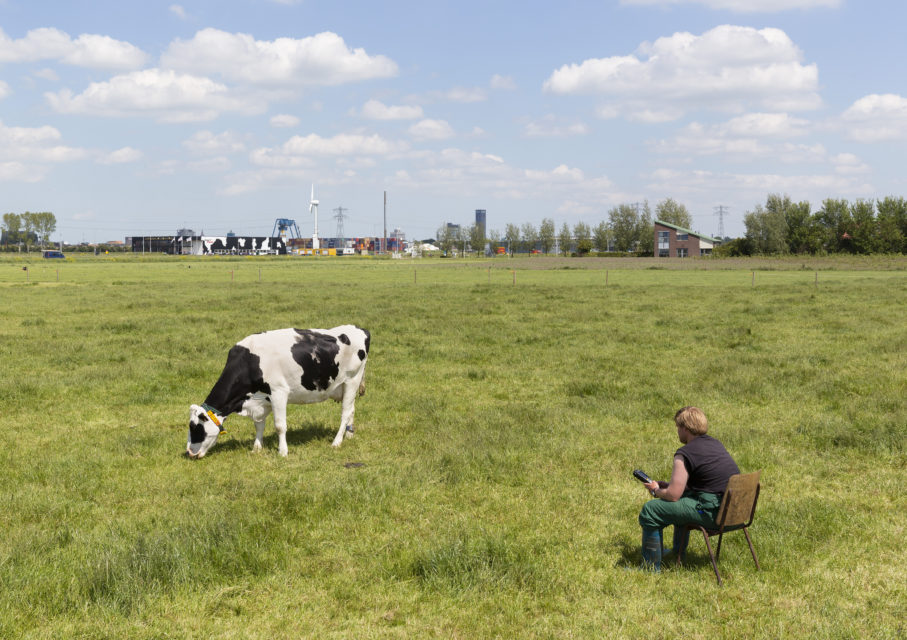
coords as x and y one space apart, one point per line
739 501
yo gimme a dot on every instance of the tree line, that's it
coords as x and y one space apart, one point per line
781 226
838 226
27 228
628 228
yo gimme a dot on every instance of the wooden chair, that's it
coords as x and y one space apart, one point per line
738 506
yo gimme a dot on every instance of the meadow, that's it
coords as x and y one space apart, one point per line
488 490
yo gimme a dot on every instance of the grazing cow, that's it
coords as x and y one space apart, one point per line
266 371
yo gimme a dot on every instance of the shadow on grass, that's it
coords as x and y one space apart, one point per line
242 439
631 558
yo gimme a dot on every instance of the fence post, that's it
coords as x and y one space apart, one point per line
753 284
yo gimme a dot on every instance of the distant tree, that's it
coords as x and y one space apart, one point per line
477 238
12 224
582 235
669 210
835 219
530 236
601 236
494 241
28 227
766 227
804 234
645 234
624 223
45 224
447 239
512 236
565 239
546 234
865 233
892 215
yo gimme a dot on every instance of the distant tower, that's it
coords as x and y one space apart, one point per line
720 210
338 216
313 208
480 220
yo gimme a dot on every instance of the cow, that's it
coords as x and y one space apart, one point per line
266 371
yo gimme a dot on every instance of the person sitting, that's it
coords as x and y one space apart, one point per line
701 470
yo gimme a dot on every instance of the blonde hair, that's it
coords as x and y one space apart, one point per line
692 419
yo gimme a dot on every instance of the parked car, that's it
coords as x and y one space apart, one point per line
51 253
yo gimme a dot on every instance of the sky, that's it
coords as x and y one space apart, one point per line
141 118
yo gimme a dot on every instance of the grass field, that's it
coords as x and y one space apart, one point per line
507 403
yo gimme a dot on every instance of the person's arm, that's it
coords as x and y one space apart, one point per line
675 487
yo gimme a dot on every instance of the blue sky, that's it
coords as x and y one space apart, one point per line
141 118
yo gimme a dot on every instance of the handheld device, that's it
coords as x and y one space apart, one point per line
641 476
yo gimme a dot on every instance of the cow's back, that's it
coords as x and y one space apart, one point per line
309 362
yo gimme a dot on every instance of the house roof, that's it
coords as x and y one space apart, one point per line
682 230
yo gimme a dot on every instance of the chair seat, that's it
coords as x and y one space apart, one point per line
736 513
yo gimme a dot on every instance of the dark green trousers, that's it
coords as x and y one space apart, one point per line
692 508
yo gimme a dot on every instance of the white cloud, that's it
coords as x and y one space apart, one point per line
755 135
284 121
35 144
465 95
745 6
19 172
502 82
376 110
26 152
430 129
725 68
208 143
217 164
121 156
322 59
711 187
88 50
300 150
47 74
551 127
849 164
178 11
876 118
4 90
163 95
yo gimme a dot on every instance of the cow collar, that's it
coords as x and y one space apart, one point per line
215 416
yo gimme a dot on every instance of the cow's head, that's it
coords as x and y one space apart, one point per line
204 427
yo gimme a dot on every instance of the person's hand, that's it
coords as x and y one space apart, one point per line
651 486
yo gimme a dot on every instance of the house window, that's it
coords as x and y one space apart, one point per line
664 239
663 253
683 236
681 253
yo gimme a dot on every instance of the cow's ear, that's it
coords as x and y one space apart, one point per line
203 417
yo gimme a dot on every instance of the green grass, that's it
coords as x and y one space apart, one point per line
507 402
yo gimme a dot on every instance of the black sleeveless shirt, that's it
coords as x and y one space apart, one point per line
708 463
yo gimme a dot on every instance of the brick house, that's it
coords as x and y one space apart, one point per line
672 241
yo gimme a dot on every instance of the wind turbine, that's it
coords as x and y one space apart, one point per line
313 208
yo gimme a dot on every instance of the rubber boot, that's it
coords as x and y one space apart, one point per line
651 549
681 540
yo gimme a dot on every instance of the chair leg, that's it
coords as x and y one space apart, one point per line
752 551
712 555
718 551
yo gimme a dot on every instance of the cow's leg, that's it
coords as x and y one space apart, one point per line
279 407
347 414
259 435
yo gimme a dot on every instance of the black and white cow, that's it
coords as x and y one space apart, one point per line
267 371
